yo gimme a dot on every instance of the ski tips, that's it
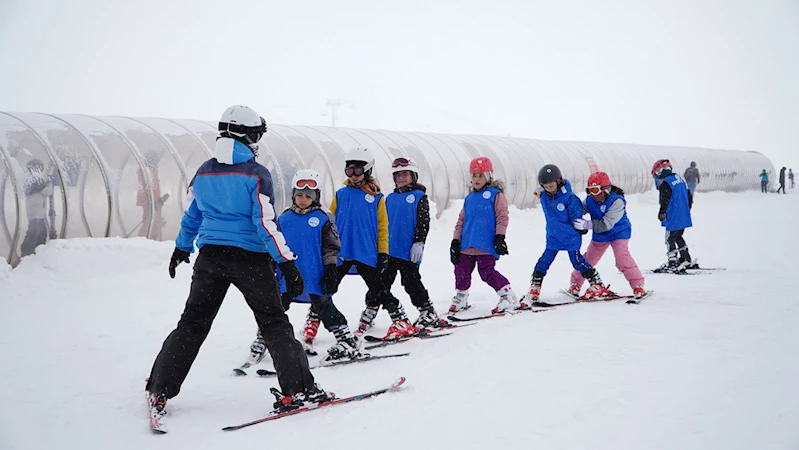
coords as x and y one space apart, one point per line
398 382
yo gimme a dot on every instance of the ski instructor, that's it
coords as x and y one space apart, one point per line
231 213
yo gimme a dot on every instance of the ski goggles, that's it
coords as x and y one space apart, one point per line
309 183
401 162
593 190
354 171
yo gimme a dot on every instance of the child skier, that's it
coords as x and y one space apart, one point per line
408 224
311 233
675 215
611 227
479 238
561 209
360 211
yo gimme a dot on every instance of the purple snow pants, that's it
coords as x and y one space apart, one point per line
485 267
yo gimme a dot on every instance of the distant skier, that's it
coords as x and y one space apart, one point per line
782 181
790 177
764 181
230 207
479 238
360 212
311 233
611 227
675 215
691 176
561 209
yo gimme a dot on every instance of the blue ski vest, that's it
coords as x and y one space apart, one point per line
401 209
480 221
678 213
622 229
303 233
560 211
356 218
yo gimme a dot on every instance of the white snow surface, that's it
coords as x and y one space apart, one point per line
708 362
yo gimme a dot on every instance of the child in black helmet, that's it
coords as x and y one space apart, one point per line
561 208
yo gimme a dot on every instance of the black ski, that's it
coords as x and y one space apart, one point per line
378 343
492 315
274 415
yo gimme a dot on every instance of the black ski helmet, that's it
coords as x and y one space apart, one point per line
548 173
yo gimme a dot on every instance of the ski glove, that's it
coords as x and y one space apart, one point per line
417 249
382 262
455 251
662 216
178 256
499 244
330 280
582 224
294 283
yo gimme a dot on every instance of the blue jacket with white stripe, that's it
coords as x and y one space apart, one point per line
231 202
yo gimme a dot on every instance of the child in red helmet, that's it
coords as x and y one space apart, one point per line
611 228
479 238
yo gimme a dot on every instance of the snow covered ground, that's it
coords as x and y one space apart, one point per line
709 362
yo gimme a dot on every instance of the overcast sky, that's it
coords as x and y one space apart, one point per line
711 73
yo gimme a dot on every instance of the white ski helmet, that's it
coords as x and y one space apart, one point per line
401 164
361 154
242 124
307 180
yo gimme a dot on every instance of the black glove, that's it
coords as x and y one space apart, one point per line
294 283
455 251
582 232
382 262
178 256
499 244
330 280
662 216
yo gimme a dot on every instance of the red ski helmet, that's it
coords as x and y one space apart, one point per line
597 182
481 164
660 165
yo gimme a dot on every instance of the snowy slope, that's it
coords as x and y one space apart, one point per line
708 362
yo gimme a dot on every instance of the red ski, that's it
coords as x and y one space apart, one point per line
274 415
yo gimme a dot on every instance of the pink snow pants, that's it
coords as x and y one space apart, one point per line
624 261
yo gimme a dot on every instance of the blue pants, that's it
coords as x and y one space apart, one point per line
578 262
691 186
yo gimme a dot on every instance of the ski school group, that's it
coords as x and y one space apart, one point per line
303 254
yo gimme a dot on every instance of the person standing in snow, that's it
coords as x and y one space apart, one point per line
561 209
790 178
782 181
674 215
479 238
408 224
611 227
230 206
38 190
764 181
691 176
312 234
360 211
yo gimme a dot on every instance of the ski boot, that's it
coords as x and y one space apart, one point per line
507 300
597 290
535 291
157 403
308 333
401 326
574 290
285 403
639 292
367 317
257 350
346 346
428 318
460 302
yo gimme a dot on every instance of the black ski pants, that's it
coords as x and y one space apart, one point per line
323 306
216 268
371 276
410 278
676 244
